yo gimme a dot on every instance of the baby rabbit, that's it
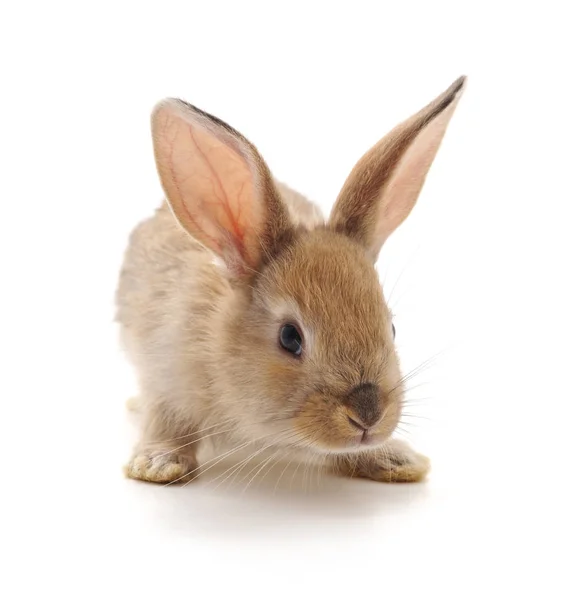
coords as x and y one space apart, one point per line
253 321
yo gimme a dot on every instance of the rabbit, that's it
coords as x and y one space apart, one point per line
251 320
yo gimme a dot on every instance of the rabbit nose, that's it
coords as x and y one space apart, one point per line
363 403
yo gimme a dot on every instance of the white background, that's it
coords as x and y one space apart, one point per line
482 275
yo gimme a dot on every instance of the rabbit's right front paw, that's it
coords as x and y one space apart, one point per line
162 466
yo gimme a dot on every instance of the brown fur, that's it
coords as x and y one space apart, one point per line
202 298
357 209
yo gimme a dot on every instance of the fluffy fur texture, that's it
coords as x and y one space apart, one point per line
231 257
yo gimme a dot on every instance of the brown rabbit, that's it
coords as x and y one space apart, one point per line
252 320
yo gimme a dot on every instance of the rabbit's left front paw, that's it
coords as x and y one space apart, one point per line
398 462
395 462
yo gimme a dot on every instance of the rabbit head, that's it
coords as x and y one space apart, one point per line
305 348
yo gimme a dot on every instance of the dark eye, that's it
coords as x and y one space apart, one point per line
291 339
393 331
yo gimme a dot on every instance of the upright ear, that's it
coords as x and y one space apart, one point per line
219 188
384 185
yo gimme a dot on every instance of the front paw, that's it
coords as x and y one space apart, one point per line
161 466
397 462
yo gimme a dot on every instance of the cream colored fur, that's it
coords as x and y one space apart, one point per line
209 279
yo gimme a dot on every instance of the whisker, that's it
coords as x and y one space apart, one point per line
413 401
320 471
195 441
181 437
284 470
225 422
403 430
416 371
416 416
237 468
260 452
294 474
220 456
259 470
414 387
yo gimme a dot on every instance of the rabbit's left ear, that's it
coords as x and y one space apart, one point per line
384 185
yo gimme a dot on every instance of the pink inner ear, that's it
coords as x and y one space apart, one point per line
403 189
210 187
226 187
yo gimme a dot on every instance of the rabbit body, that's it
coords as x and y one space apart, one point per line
252 320
171 300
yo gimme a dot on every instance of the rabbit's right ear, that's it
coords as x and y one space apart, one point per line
218 186
384 185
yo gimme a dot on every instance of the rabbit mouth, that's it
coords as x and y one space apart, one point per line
368 439
367 436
